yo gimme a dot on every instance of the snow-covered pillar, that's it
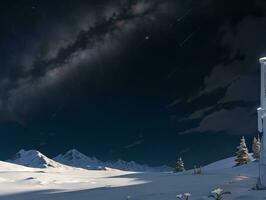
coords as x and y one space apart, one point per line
262 125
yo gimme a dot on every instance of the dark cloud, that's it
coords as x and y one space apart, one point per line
239 121
239 74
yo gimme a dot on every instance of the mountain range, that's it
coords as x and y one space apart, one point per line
74 158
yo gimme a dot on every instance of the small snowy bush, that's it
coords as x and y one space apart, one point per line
183 196
218 193
197 171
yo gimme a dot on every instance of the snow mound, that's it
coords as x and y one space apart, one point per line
33 158
6 166
221 164
224 164
228 166
76 159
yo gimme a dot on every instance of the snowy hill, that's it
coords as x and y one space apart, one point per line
227 166
223 164
19 183
53 183
76 159
6 166
33 158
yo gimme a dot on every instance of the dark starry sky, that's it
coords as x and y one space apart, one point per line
143 80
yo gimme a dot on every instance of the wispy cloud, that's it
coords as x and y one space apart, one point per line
239 121
134 144
237 74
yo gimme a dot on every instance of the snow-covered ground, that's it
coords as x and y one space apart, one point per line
60 182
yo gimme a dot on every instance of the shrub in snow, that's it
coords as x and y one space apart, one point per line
218 193
183 196
179 165
256 148
197 170
242 156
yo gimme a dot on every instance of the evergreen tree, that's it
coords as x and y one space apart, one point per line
179 165
242 156
256 148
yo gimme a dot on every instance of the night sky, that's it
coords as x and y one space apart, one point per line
143 80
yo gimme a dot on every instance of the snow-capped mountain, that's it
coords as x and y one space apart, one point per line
76 159
33 158
133 166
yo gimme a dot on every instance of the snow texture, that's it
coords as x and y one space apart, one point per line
54 181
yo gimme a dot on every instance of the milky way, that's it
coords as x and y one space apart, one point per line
139 73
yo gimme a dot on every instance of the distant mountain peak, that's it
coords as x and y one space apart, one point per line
74 154
75 158
74 151
33 158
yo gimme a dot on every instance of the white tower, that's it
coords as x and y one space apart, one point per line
262 125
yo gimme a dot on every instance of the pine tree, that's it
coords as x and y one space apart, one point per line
179 165
242 156
256 148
